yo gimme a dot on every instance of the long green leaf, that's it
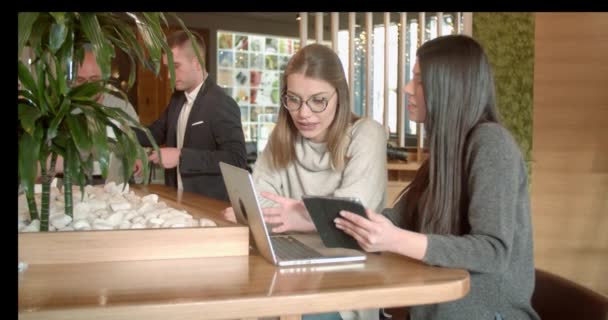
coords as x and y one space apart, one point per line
151 40
86 90
25 76
54 72
124 47
103 50
58 16
65 56
25 22
41 85
129 150
26 97
56 121
57 36
29 150
124 130
99 138
126 34
40 29
77 124
28 116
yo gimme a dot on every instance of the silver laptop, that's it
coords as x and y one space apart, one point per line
280 249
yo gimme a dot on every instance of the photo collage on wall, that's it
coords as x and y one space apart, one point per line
250 67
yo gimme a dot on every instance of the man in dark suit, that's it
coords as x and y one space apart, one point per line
200 127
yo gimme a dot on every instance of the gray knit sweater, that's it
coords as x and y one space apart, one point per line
498 252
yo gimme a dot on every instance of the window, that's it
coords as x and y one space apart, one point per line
378 63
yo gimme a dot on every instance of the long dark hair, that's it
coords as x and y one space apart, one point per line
459 93
318 62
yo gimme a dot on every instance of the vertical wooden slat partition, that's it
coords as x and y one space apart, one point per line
335 23
462 24
401 76
351 59
319 27
468 23
439 24
369 32
387 21
303 29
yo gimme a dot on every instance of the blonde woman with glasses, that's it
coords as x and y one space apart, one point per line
318 147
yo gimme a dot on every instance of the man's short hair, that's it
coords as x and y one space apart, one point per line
179 38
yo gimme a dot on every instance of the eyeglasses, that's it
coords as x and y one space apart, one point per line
316 103
83 80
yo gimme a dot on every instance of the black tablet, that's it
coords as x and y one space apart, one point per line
323 211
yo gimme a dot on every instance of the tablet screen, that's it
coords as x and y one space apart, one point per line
323 211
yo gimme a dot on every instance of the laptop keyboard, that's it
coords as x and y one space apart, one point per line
288 248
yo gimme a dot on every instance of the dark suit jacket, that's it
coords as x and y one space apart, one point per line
217 135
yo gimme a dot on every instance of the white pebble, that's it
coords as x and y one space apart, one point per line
60 221
166 216
156 221
184 214
101 213
82 207
81 225
204 222
173 221
102 226
151 198
109 187
119 188
138 226
124 225
160 205
34 226
151 215
89 189
145 207
130 215
139 220
22 266
115 218
96 204
66 229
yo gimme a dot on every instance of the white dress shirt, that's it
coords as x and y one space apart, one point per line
182 123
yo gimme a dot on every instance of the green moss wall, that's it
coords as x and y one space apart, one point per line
508 39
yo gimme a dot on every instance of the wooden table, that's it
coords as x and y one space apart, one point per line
229 288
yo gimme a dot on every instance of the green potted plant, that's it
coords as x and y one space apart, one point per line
57 118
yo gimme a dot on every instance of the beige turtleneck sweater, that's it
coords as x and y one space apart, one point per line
364 175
